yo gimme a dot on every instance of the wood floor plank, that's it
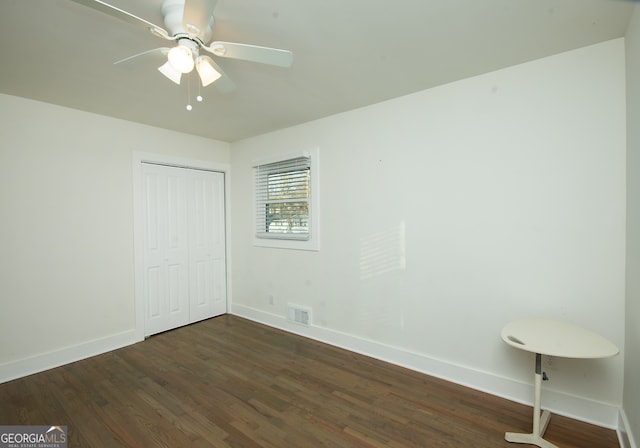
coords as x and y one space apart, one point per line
228 383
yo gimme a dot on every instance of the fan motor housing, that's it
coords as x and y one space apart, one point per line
173 12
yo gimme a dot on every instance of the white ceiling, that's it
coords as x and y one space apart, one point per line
347 54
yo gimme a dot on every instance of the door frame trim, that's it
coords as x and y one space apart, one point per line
138 159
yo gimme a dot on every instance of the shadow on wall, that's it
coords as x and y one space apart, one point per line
383 252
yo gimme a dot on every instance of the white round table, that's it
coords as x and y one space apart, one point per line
553 338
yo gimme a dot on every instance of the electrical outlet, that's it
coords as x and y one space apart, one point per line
271 299
299 314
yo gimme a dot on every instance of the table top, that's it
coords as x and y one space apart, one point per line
557 338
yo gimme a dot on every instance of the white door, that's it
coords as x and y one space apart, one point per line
184 254
207 260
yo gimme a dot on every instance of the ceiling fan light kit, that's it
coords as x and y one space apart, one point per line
190 24
181 57
170 72
205 69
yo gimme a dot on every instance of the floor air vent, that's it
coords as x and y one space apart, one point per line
299 315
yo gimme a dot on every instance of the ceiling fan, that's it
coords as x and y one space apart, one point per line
189 23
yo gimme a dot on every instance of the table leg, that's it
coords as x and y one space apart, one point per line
540 420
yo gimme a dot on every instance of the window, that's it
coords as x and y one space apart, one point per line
286 201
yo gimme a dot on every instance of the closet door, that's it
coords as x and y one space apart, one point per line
207 251
184 255
166 274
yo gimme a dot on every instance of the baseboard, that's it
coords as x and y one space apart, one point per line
625 436
579 408
34 364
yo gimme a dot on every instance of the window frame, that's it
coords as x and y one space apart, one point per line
285 240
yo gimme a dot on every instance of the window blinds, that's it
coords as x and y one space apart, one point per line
282 196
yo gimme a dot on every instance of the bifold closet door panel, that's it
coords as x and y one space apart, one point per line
185 253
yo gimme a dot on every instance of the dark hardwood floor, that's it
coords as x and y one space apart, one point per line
229 382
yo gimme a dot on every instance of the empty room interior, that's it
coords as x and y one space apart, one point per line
462 165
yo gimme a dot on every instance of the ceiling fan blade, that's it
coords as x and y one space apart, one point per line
121 14
253 53
156 55
197 17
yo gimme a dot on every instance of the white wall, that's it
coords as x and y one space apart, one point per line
66 274
480 201
631 399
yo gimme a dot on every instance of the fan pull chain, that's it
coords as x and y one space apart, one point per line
198 97
189 107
